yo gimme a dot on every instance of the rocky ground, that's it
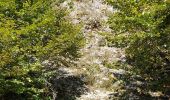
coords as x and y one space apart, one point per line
94 79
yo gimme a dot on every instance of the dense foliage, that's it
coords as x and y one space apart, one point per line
143 27
32 31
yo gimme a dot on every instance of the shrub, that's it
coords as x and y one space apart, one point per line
32 31
143 27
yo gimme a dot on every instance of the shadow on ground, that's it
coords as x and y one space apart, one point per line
68 87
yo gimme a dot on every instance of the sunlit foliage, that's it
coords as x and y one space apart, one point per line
32 31
143 27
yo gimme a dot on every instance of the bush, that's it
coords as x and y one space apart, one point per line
32 31
143 27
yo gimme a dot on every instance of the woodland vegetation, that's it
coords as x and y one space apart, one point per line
143 28
31 32
35 31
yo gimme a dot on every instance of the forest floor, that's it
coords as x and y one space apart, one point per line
92 79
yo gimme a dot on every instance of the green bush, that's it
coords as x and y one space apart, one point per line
143 27
32 31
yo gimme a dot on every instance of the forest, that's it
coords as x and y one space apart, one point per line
84 49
